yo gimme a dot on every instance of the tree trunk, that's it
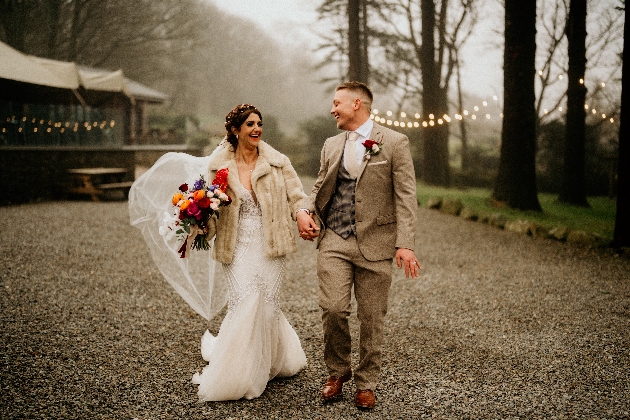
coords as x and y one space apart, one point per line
462 122
355 51
573 186
516 180
365 63
435 169
621 236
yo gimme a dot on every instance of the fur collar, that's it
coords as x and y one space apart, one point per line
266 155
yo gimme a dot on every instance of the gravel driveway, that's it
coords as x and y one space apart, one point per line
497 326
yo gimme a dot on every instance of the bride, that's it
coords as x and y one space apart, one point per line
252 236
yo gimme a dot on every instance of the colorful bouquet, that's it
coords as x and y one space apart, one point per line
194 208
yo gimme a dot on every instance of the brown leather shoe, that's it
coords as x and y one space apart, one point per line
334 385
365 399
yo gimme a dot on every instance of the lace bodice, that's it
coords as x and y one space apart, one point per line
251 270
249 207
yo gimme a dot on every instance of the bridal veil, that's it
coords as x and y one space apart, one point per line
197 278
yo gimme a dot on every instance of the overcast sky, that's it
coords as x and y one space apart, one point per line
294 22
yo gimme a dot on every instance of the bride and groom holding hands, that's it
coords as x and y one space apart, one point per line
361 212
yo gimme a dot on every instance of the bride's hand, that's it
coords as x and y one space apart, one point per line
306 226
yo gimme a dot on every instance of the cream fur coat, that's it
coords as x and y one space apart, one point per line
279 192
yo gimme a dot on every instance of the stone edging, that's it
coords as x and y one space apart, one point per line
454 207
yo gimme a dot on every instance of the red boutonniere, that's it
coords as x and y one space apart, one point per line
372 147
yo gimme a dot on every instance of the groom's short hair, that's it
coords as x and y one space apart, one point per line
361 89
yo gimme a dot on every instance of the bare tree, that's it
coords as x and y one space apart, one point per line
516 180
421 40
98 33
348 44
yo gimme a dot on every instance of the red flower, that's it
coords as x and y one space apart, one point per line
369 143
183 187
220 180
204 203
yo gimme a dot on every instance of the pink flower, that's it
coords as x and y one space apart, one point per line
194 211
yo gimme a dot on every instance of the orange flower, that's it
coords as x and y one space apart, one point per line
176 198
184 205
198 195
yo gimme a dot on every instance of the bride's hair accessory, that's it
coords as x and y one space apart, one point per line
236 117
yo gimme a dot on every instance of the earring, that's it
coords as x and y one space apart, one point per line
237 137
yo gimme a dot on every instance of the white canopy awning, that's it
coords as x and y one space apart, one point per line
95 85
23 68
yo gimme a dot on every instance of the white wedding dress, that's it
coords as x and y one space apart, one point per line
255 342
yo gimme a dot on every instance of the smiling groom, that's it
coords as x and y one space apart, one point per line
364 201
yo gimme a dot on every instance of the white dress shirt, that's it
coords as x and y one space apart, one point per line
364 133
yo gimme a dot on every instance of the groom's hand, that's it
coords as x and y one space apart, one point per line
306 226
405 257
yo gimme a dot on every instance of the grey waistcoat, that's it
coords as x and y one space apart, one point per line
341 213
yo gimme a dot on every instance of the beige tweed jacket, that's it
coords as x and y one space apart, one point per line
279 192
385 197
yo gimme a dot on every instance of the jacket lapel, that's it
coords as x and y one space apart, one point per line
373 134
334 159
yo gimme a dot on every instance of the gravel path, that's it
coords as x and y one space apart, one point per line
497 326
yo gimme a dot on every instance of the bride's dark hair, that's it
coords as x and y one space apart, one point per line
236 118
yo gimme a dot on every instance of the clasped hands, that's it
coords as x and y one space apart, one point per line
404 257
306 226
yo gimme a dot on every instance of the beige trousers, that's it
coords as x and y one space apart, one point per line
340 267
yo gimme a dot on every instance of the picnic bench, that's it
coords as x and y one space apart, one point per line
95 182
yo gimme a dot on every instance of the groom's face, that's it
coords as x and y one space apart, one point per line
344 109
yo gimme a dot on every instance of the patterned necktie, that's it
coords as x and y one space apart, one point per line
351 154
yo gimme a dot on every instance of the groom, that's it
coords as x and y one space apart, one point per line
365 201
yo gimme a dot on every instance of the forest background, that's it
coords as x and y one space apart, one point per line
207 60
